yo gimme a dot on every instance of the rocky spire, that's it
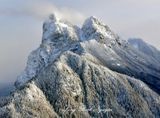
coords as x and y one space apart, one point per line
53 17
56 31
93 28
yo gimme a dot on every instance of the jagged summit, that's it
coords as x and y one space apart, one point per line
59 36
54 30
53 17
93 28
90 70
94 23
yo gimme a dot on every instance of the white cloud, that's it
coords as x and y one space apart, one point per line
40 9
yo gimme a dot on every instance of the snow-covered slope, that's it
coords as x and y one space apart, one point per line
115 53
145 48
85 72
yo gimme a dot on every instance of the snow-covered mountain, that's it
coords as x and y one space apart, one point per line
145 48
85 72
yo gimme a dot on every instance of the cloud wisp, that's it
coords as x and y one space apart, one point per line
39 9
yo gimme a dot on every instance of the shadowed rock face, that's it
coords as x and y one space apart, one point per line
83 73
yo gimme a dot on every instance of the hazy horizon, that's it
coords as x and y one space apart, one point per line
21 25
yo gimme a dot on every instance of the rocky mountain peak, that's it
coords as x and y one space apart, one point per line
53 17
93 28
93 23
58 33
75 73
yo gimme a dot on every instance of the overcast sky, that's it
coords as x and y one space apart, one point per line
21 24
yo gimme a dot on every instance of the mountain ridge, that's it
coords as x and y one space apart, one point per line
85 72
145 48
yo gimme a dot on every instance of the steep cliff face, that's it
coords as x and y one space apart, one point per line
85 72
